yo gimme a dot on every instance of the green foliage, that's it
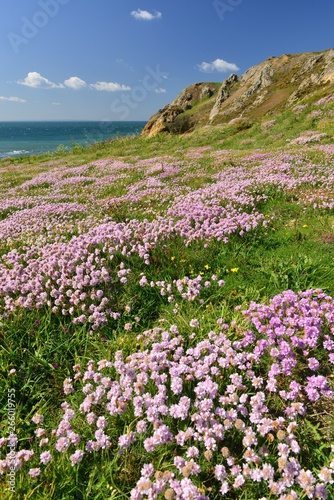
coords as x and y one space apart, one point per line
295 251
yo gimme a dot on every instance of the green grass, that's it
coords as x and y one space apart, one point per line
295 251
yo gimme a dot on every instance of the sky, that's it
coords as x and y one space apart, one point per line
111 60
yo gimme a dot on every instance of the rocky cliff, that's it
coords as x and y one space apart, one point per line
193 97
263 89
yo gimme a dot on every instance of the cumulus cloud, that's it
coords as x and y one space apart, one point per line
160 90
144 15
75 83
217 65
109 86
37 81
12 99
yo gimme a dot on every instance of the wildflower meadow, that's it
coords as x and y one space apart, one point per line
167 320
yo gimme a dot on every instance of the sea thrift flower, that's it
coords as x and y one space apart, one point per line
126 440
313 363
62 444
45 457
37 418
67 386
141 426
192 452
194 323
40 432
101 422
76 457
34 472
220 472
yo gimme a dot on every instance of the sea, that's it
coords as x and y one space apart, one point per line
34 138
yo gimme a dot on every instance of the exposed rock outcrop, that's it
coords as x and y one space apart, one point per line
161 121
274 84
328 73
164 119
223 94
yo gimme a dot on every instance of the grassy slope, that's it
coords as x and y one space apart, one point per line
295 252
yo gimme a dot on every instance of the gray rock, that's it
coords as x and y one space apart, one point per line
223 94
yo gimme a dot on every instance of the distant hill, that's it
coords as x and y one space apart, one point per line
261 92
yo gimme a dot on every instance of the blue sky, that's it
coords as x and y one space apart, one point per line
125 59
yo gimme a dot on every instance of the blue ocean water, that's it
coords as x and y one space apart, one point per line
31 138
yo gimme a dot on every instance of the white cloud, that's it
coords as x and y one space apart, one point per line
217 65
109 86
11 99
56 104
144 15
75 83
37 81
160 91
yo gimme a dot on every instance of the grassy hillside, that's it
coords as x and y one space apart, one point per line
167 315
285 121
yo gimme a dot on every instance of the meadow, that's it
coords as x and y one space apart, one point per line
167 315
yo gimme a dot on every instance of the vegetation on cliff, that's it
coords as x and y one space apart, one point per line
261 92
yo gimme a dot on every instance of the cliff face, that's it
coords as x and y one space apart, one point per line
165 120
274 84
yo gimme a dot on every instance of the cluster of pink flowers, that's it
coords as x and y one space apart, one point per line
78 277
299 108
188 289
211 400
51 219
325 100
316 113
234 396
198 152
309 136
327 149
